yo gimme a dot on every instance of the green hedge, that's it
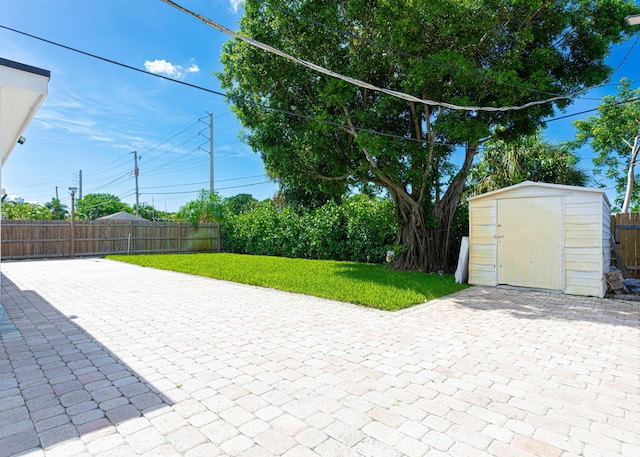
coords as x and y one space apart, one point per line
358 230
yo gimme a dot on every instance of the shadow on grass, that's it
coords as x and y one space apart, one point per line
426 286
57 382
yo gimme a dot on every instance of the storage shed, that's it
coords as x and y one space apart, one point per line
545 236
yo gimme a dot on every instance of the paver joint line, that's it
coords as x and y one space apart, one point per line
101 358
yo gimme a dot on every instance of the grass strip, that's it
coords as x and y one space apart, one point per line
360 283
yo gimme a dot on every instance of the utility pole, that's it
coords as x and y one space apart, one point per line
210 151
80 186
136 172
57 193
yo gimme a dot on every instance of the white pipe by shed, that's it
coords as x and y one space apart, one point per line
544 236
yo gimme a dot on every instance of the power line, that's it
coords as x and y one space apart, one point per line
202 182
621 102
433 62
243 100
198 190
401 52
358 82
231 97
117 180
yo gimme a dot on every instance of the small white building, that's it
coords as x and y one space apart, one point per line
544 236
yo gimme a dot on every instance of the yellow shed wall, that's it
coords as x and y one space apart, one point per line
585 246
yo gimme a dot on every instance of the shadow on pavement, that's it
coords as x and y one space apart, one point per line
527 304
56 381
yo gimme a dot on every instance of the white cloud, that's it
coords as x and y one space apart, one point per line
235 4
162 67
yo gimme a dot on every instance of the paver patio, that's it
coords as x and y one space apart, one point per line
107 359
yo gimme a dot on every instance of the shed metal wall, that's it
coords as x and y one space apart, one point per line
585 224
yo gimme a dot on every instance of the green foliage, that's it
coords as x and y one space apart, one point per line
93 206
240 203
530 158
362 284
482 53
20 209
207 207
358 230
58 210
611 134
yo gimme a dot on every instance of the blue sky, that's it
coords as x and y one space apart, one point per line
97 113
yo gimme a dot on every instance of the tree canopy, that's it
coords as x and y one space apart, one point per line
93 206
240 203
322 133
529 158
614 135
206 208
19 209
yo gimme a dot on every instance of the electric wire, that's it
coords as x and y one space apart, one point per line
358 82
216 189
621 102
401 52
203 182
263 106
239 99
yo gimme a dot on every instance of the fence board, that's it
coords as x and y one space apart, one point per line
625 228
50 239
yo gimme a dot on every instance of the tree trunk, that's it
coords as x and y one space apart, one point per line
630 174
427 245
412 235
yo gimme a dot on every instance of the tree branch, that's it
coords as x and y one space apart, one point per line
333 178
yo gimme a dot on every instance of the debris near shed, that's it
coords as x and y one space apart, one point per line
615 283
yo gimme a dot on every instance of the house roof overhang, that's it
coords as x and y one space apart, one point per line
23 88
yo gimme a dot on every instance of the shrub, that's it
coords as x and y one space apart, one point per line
360 230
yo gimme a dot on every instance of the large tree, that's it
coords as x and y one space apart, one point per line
93 206
614 134
482 53
528 158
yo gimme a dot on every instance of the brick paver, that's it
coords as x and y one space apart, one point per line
106 359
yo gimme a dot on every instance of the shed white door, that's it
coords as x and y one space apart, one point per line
529 240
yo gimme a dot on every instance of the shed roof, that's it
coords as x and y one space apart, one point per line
541 185
23 88
122 216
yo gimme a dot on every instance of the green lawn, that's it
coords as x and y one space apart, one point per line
359 283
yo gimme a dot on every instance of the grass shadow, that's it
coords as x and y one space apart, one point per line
417 287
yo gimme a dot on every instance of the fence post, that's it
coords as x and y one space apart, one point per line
179 234
131 239
72 240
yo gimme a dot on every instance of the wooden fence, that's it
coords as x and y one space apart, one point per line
54 239
625 228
